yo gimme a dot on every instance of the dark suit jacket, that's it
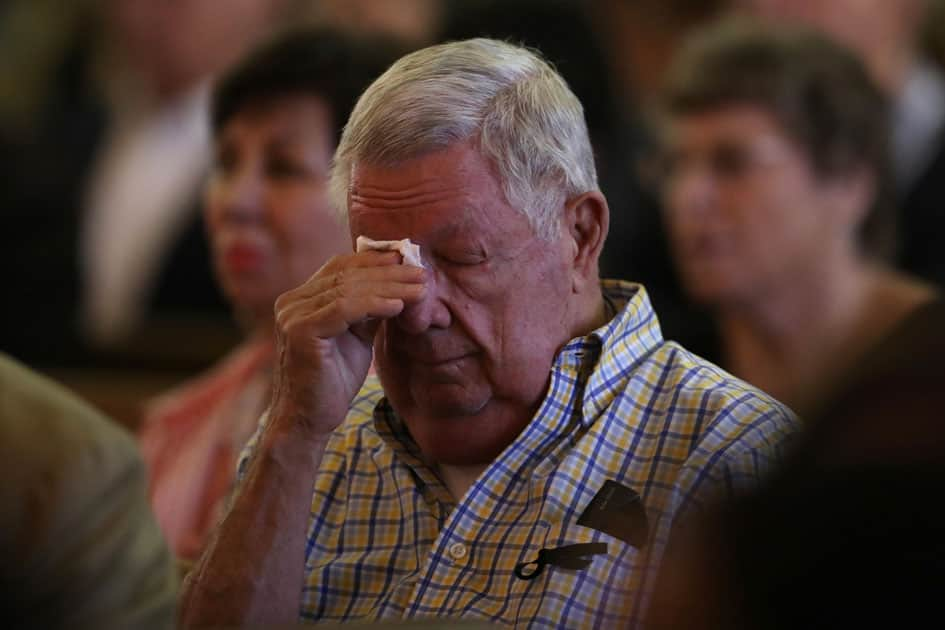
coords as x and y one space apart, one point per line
921 222
46 171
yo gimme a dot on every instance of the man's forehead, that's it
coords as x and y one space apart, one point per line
450 193
456 169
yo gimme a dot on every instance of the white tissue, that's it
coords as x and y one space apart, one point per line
410 251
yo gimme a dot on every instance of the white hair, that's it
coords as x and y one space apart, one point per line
519 112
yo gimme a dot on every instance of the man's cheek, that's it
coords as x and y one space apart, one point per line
481 287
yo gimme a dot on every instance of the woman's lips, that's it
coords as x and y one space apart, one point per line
241 258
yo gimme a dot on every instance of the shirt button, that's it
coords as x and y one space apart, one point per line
458 551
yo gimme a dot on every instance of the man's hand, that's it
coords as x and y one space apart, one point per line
252 569
324 331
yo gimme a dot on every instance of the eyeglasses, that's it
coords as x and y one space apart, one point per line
726 162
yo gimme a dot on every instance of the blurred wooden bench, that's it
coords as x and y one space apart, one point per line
119 382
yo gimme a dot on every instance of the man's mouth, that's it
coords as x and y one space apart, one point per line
433 361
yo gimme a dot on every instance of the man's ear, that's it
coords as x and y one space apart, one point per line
586 221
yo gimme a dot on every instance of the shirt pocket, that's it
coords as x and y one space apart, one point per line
598 595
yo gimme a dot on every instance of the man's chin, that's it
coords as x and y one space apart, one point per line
450 402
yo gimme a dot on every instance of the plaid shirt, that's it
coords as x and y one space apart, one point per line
386 539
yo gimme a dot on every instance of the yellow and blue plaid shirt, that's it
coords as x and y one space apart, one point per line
386 539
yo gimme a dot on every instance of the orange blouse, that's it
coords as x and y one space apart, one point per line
191 438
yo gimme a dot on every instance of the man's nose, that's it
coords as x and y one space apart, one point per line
428 312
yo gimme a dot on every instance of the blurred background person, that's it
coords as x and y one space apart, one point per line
101 189
80 544
276 119
886 36
640 39
413 23
775 167
848 533
141 199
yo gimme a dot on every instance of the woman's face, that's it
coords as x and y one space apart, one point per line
744 210
270 222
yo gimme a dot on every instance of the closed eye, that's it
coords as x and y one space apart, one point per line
470 260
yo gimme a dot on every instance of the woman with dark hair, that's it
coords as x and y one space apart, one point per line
276 119
775 179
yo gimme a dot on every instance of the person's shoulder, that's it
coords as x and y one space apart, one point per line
73 477
54 443
46 424
732 414
688 377
739 433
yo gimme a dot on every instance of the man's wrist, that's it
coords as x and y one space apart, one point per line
290 430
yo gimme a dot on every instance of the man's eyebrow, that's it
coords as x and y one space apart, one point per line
462 228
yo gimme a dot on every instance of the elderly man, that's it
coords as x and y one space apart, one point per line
536 439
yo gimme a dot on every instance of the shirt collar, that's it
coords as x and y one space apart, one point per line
393 432
628 336
606 356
